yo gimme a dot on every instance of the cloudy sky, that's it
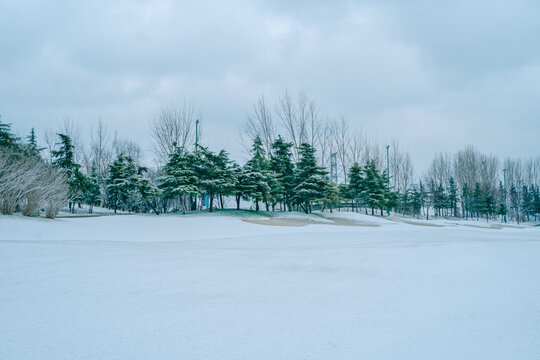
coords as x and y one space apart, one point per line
435 75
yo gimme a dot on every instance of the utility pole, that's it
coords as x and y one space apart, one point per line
505 209
196 135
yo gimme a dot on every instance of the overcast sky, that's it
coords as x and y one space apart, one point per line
435 75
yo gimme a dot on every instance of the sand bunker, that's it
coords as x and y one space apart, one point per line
277 221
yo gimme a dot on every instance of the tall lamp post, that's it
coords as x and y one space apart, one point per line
388 174
196 135
388 166
505 208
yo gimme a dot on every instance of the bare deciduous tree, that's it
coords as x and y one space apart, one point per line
126 148
326 143
440 169
357 146
401 168
259 124
172 127
100 152
299 118
30 183
72 130
50 141
341 142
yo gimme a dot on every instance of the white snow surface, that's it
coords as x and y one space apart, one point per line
216 287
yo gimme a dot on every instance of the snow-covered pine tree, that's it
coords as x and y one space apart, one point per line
118 184
216 175
7 139
373 192
526 202
64 159
479 201
453 196
241 186
466 201
91 194
256 174
282 165
227 176
515 202
311 182
31 146
330 195
355 186
180 180
536 201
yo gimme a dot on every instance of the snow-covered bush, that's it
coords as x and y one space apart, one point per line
29 184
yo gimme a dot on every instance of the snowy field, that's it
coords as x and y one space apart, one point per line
217 287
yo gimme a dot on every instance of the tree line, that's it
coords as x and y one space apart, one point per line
300 162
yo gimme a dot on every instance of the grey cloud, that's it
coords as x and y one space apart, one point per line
430 74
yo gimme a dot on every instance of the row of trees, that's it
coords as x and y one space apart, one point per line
315 163
470 184
273 180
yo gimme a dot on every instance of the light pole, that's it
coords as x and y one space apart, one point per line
196 135
505 209
388 175
388 166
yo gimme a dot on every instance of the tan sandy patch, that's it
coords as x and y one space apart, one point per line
277 221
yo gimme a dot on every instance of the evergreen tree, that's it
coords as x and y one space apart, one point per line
149 194
330 195
119 186
514 202
283 168
417 201
536 200
526 202
422 195
431 197
439 199
180 180
453 197
227 175
343 194
7 139
241 189
391 199
31 147
355 185
311 183
466 201
64 159
479 203
501 207
490 206
374 189
215 175
256 175
91 194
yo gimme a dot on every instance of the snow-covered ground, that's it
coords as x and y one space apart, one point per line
218 287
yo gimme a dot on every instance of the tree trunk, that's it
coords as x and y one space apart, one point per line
256 204
211 203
